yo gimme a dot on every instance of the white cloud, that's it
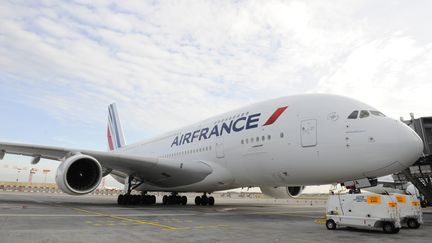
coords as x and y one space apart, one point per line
389 73
162 60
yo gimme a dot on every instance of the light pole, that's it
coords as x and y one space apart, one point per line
46 174
18 171
32 172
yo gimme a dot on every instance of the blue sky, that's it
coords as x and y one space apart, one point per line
170 63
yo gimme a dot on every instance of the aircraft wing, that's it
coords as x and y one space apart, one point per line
157 171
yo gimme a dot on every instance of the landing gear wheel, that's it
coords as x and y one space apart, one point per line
211 201
197 200
183 200
390 228
177 200
136 199
125 199
330 224
146 199
413 224
128 199
120 199
204 200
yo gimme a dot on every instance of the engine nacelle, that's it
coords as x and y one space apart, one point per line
283 192
79 174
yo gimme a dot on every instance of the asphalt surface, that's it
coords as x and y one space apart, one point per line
39 217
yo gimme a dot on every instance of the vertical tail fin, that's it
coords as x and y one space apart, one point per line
115 131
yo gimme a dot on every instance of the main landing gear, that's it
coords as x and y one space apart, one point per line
144 199
129 199
204 200
174 198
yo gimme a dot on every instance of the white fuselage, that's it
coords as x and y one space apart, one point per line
311 142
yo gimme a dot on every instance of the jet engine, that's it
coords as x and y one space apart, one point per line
79 174
283 192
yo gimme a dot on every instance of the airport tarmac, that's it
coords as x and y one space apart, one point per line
41 217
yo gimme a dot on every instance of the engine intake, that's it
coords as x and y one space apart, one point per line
295 191
79 174
283 192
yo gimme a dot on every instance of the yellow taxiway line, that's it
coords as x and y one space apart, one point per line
136 221
145 222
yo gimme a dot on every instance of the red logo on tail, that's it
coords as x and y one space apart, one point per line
110 143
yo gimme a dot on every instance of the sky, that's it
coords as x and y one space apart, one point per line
170 63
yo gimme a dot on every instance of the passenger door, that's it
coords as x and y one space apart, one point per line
220 153
308 131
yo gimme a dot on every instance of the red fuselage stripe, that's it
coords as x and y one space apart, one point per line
275 115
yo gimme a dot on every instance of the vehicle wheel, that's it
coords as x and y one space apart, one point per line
153 199
330 224
389 228
211 201
197 200
184 200
413 224
165 200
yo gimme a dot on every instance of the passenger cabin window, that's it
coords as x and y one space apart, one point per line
364 114
377 113
353 115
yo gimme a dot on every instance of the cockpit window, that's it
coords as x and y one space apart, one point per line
364 114
353 115
377 113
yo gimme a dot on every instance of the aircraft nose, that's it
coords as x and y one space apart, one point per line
411 145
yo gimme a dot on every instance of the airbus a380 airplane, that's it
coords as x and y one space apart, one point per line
280 145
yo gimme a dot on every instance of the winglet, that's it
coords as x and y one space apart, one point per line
115 131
